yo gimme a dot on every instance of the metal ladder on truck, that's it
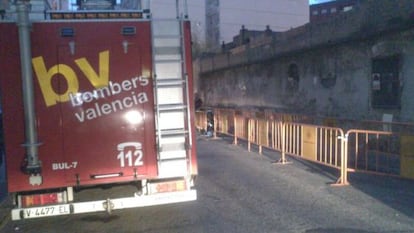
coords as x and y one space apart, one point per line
171 93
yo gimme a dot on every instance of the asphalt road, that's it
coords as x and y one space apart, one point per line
240 191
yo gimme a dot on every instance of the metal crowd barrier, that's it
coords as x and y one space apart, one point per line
374 151
380 152
201 120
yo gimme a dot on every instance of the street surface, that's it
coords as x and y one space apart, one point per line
240 191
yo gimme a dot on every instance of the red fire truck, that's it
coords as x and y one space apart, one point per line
92 98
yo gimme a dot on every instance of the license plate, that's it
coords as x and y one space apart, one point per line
37 212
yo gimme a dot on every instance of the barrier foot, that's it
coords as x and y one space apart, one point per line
282 161
340 182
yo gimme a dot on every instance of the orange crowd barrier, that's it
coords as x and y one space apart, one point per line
382 152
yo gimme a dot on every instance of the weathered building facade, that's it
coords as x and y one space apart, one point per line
357 65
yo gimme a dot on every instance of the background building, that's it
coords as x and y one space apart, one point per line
225 18
326 10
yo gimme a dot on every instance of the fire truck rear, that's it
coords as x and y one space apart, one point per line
96 98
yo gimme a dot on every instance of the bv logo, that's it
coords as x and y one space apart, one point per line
130 154
45 75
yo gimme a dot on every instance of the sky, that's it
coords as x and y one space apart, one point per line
255 15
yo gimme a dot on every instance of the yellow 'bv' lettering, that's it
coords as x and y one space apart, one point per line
45 76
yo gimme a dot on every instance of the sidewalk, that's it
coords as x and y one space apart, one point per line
5 200
5 208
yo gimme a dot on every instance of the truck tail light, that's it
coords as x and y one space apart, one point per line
167 186
41 199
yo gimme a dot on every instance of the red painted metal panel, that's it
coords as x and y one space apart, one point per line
189 66
12 104
85 86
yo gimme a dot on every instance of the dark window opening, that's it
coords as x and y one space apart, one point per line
328 80
293 77
385 83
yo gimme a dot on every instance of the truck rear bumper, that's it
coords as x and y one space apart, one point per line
107 205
